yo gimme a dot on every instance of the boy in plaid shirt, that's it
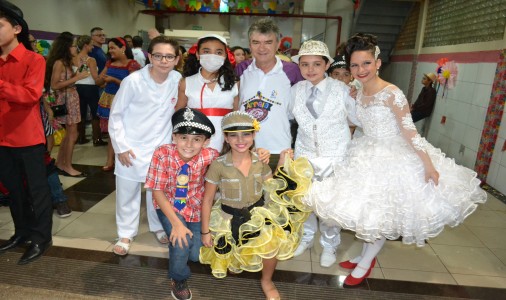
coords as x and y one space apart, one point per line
176 176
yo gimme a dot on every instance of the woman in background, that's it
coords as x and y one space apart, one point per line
121 63
88 91
61 78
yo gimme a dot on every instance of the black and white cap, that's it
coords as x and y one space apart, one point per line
339 63
191 121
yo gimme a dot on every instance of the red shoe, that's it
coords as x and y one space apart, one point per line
349 265
351 281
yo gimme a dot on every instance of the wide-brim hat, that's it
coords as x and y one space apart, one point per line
191 121
339 63
239 121
313 48
431 76
16 14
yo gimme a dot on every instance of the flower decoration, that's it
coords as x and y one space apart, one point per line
447 74
256 125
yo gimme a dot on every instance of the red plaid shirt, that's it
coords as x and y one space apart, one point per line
162 174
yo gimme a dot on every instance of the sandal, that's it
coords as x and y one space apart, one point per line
162 237
125 247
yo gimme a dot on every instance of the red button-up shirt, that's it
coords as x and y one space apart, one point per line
162 175
21 83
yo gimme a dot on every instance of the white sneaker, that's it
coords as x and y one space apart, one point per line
328 257
302 247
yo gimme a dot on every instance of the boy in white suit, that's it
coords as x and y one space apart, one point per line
139 122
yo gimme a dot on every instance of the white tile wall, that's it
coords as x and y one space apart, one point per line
477 116
486 73
499 156
492 174
468 72
472 138
399 74
465 108
500 181
482 94
502 129
464 92
469 158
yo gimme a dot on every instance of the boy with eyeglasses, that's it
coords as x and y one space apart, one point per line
139 122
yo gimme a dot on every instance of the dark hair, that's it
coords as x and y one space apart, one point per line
127 36
137 41
192 66
237 48
22 38
117 42
60 50
226 146
162 39
95 29
341 49
360 42
183 49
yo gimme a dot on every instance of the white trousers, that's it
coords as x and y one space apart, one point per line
128 208
330 235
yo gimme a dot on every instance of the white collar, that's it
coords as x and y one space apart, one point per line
321 86
277 67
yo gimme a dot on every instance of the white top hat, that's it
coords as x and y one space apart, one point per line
313 48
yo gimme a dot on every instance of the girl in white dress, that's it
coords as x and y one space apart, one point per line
210 84
394 183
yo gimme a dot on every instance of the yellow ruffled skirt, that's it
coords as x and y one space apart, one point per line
274 230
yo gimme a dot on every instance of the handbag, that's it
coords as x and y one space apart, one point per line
59 110
60 104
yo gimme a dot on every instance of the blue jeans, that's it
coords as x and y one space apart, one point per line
57 195
178 257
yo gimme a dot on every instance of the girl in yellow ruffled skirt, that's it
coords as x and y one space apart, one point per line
256 219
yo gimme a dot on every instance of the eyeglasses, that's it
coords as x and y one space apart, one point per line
159 57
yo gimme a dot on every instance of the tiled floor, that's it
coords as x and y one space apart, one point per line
473 254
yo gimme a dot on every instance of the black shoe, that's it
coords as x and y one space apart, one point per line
33 252
4 200
63 210
13 242
83 141
99 142
64 173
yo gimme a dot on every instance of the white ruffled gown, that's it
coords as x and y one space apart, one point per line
381 190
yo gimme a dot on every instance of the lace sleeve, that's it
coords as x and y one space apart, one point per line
400 108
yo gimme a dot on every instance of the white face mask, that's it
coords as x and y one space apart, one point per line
211 62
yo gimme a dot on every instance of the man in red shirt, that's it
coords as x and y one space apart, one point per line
22 170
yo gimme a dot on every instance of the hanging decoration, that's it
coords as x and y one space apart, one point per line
285 43
446 75
225 6
356 5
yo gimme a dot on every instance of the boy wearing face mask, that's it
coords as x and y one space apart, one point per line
209 84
